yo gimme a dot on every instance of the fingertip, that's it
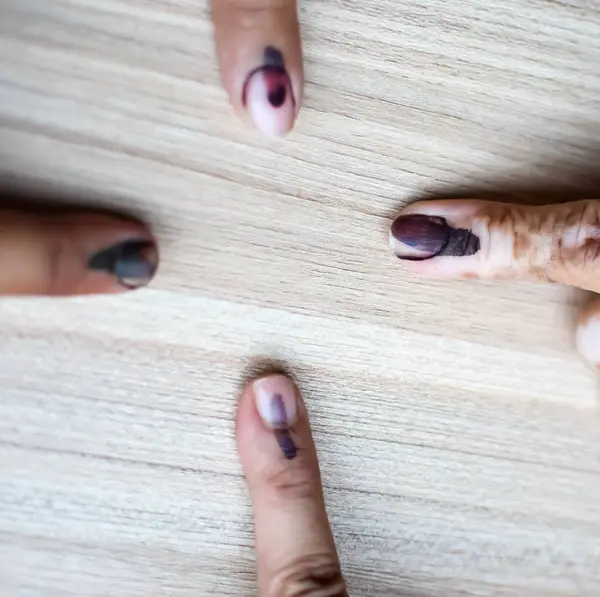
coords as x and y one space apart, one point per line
68 254
295 549
260 60
116 254
432 245
269 419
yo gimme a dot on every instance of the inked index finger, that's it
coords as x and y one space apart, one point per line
260 55
64 254
476 239
295 548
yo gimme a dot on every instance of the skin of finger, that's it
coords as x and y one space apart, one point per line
588 334
48 254
243 29
292 530
558 243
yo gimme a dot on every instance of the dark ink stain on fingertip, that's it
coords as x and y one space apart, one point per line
273 57
280 423
286 443
133 262
273 67
461 243
277 97
432 236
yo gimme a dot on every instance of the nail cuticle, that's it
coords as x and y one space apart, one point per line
461 243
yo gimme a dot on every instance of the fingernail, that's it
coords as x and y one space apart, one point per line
277 406
268 95
133 262
416 237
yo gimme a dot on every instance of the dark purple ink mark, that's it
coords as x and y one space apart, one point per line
277 97
433 236
279 421
286 443
278 414
275 76
273 57
132 262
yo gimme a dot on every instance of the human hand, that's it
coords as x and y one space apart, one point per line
73 253
487 240
295 550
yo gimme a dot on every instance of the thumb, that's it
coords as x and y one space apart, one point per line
488 240
295 550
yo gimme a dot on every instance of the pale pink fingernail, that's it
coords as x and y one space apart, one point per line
277 404
268 95
276 401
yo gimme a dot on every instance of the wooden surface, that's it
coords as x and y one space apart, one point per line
457 430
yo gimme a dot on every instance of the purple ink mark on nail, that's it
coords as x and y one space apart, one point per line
279 421
277 97
275 76
278 415
434 237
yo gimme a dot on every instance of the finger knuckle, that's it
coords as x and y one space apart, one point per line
549 244
292 479
577 236
312 576
506 246
590 253
523 228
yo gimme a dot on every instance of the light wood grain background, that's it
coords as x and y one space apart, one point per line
457 430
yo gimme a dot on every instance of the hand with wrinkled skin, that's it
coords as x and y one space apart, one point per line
474 239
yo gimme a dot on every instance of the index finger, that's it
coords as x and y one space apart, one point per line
294 546
62 254
260 55
471 238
